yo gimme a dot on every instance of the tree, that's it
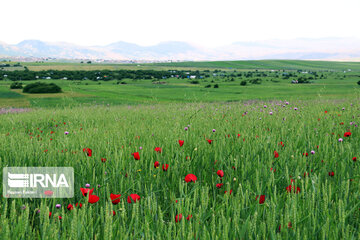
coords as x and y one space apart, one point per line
39 87
358 82
16 85
243 83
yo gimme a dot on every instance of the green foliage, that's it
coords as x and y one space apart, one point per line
216 85
16 85
194 82
41 87
325 208
255 81
358 82
243 83
303 80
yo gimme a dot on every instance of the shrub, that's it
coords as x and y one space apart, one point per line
358 82
243 83
194 82
255 81
40 87
216 86
16 85
208 86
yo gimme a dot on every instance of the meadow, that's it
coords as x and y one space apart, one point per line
332 82
180 161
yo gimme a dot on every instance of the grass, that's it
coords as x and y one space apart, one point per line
224 65
326 207
270 65
246 125
76 93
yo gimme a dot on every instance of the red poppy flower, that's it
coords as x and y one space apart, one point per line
325 111
78 205
289 226
88 151
70 207
306 154
292 188
178 217
229 192
113 213
189 217
93 199
276 154
209 141
331 174
354 159
219 185
158 149
136 155
181 143
341 123
60 217
261 200
85 191
50 214
273 169
165 167
156 164
115 198
48 193
281 144
103 159
220 173
133 198
190 177
238 135
347 134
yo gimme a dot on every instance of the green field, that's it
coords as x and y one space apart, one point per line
335 84
290 167
270 64
239 65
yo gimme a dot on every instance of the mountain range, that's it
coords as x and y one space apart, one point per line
304 48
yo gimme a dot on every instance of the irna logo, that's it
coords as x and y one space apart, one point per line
35 180
38 182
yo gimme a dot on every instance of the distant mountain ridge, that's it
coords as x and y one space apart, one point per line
301 49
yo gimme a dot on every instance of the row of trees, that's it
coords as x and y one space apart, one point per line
104 75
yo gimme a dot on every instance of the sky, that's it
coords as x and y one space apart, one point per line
200 22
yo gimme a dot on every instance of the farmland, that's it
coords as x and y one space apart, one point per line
266 160
332 81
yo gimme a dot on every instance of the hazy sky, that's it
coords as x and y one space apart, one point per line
202 22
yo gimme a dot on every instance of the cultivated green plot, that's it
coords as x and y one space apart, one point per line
289 169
